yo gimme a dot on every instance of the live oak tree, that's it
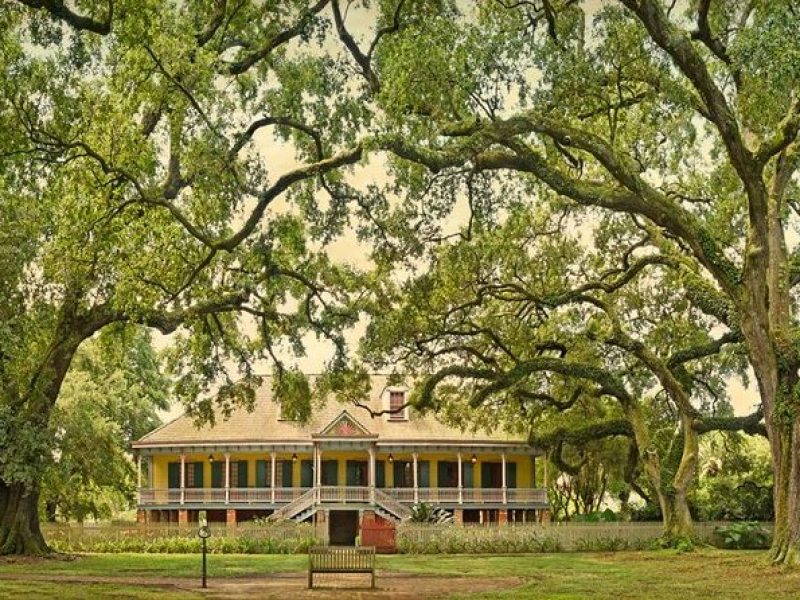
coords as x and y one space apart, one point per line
109 398
684 114
518 327
145 145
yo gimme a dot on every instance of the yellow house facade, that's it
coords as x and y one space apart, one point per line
344 465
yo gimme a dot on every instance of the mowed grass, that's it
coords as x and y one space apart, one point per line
162 565
703 574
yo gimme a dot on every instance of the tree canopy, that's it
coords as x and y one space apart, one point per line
140 195
140 183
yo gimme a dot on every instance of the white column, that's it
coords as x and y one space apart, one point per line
183 475
139 471
503 475
371 474
460 481
318 473
272 475
227 478
416 480
533 472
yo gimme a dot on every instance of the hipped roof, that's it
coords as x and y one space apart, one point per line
263 425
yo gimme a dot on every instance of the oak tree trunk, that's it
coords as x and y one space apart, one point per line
19 521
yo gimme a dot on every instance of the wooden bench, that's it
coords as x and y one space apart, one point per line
341 559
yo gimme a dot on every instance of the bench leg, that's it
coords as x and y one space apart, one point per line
310 579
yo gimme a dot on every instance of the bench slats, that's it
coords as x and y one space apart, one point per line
340 559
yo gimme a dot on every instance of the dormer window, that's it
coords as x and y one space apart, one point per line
397 400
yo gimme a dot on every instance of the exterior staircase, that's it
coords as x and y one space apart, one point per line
296 507
385 503
307 504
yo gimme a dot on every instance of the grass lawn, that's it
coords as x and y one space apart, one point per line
636 575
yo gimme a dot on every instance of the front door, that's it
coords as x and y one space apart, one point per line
343 527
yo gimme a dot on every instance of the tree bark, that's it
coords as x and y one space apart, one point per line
19 523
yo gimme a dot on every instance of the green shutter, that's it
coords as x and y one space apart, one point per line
262 480
287 480
399 474
511 474
330 472
424 473
306 474
352 467
242 474
486 475
217 474
442 475
380 474
198 475
174 475
467 477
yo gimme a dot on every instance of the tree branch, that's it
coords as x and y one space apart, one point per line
59 11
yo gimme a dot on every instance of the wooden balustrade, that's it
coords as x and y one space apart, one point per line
341 494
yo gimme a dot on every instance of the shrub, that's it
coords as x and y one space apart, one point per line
426 513
277 539
742 535
604 516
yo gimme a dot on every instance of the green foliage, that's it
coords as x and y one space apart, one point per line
743 535
427 513
473 540
603 516
154 541
109 398
735 480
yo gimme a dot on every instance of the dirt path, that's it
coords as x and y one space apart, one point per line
390 585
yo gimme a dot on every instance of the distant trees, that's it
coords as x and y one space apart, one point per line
110 397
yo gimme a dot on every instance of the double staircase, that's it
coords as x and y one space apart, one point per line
312 500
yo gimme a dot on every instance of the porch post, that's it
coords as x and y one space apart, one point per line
139 471
545 469
416 480
503 475
227 478
272 476
318 472
460 481
371 473
533 470
183 475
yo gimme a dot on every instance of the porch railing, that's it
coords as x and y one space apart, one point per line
329 494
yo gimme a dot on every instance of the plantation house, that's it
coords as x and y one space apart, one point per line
343 468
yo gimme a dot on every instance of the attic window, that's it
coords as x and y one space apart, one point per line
397 398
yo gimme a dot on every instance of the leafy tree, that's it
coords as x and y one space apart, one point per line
519 327
109 398
588 477
685 116
735 479
138 185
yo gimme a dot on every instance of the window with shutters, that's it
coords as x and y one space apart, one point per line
397 398
193 477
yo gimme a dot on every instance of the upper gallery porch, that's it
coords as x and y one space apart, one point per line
341 472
